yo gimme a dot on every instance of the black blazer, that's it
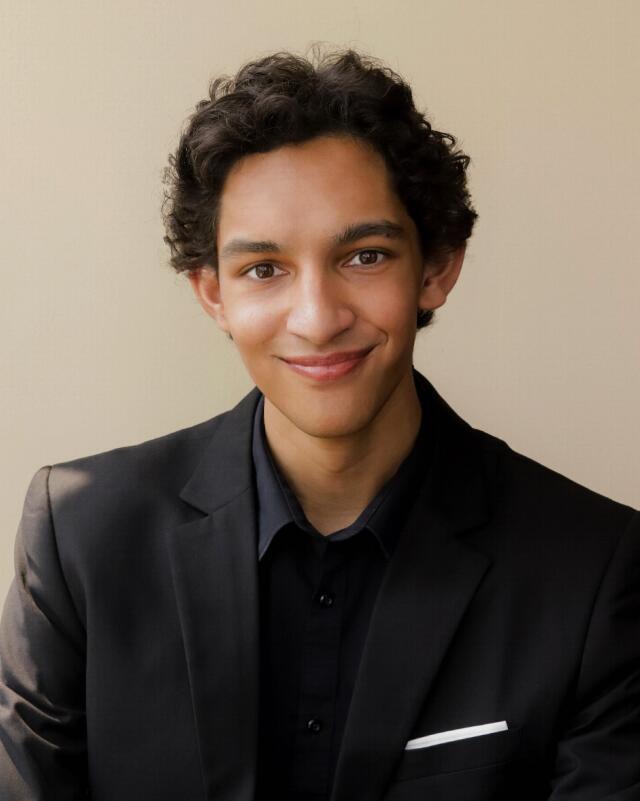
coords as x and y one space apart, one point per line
129 637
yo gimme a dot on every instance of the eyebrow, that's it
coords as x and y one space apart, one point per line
352 233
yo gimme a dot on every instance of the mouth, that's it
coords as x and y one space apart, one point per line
331 367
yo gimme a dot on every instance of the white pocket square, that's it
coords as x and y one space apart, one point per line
455 734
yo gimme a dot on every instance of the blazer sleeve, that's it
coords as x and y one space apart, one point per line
598 754
42 666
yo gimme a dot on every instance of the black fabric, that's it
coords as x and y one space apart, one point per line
316 597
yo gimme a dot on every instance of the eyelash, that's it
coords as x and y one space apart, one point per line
357 253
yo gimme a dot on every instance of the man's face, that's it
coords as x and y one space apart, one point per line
305 294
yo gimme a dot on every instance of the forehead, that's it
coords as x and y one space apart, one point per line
322 183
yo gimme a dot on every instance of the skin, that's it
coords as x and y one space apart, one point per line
338 442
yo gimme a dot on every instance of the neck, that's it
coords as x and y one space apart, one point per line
335 478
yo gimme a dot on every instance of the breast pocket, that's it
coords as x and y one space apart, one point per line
473 752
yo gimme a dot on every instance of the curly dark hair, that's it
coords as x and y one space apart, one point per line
284 98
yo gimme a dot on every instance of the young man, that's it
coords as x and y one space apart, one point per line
338 589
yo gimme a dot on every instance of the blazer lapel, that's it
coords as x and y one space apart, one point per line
214 562
430 580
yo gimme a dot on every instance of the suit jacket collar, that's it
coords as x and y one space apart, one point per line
278 505
226 467
428 584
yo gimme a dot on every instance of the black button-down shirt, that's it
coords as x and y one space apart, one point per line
316 597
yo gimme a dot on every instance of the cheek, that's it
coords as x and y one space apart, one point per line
394 309
251 321
388 305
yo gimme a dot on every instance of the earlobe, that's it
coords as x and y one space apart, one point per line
439 278
206 286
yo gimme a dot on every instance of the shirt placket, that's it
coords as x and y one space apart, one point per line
312 746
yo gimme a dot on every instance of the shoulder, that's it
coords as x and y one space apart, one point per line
560 511
146 476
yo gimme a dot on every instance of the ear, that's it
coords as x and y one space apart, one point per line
206 286
439 278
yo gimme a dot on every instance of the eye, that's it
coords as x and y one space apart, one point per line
261 270
269 267
367 261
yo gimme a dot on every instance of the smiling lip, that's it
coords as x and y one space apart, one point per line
330 370
326 361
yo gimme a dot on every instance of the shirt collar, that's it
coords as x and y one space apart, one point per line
278 506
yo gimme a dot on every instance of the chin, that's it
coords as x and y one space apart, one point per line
342 423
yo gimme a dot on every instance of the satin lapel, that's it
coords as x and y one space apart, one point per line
430 581
214 563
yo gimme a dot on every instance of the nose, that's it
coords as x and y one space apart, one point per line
319 308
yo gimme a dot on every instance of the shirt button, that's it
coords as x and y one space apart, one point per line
314 725
325 599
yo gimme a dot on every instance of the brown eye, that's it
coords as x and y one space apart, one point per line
369 256
262 270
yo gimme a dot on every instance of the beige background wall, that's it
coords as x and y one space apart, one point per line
102 346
